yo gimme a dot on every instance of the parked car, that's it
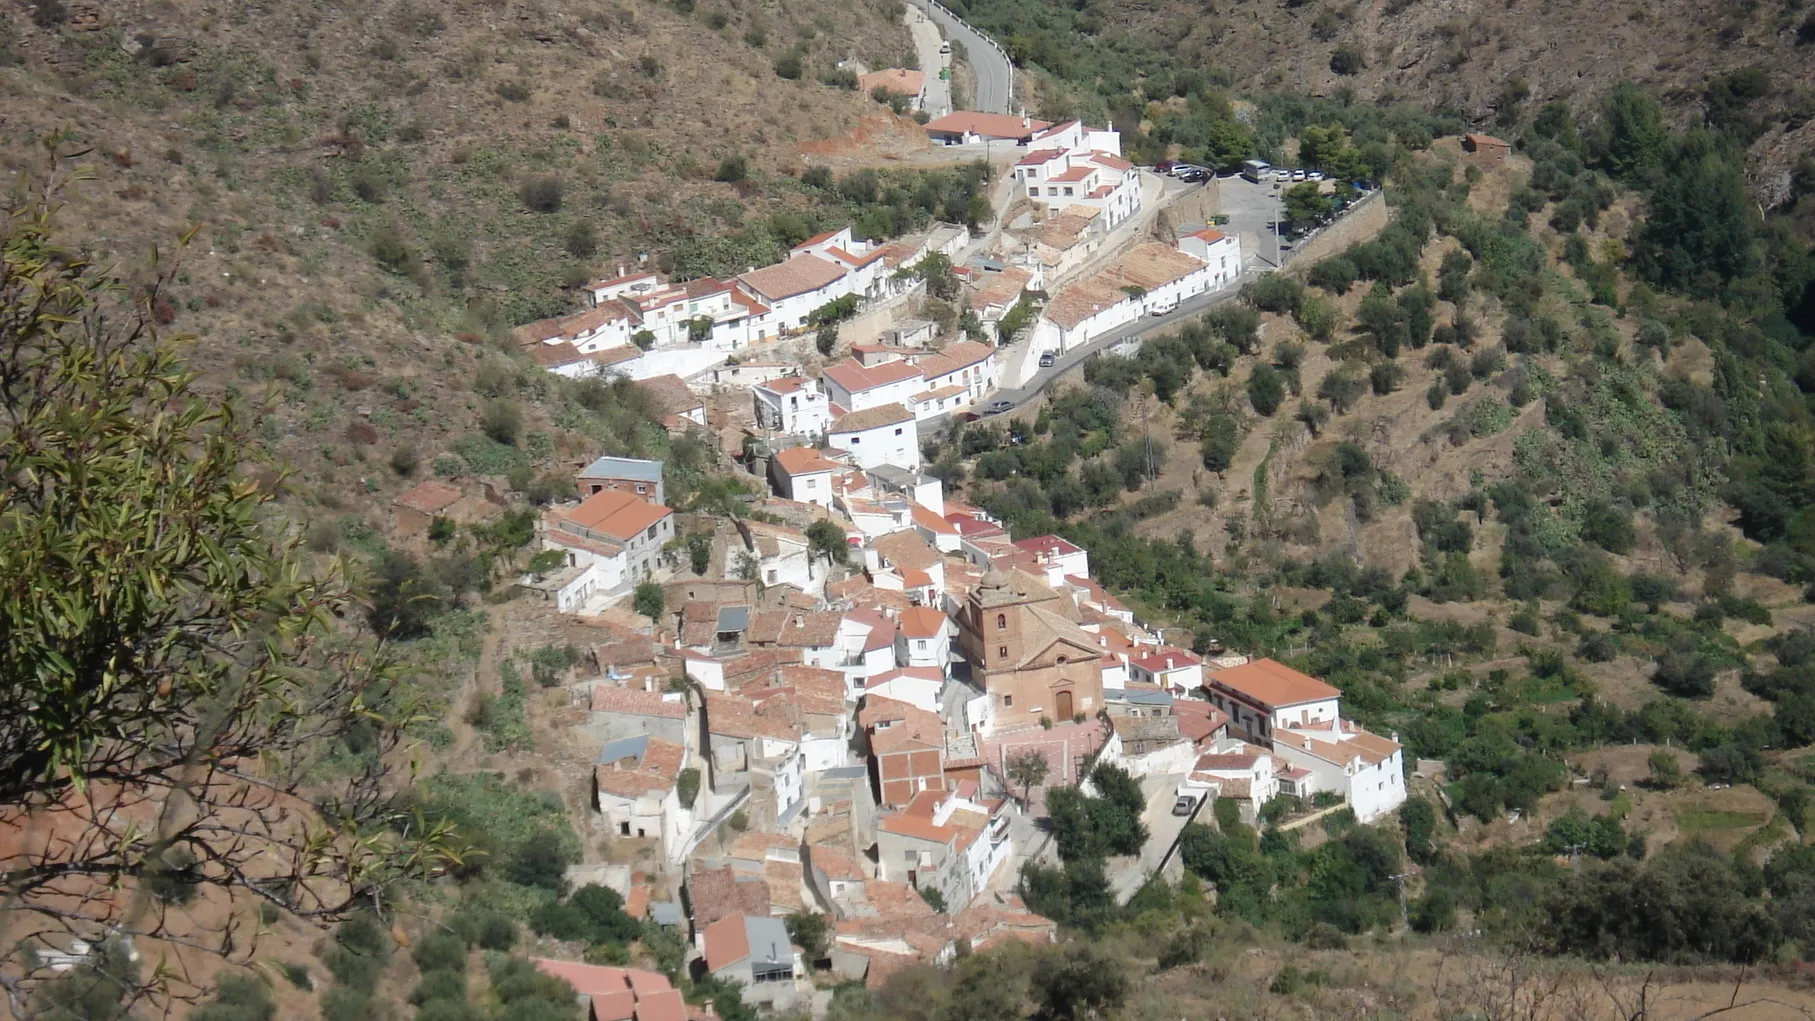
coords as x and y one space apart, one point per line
1165 166
1194 175
1298 175
998 407
1282 174
1163 307
1184 805
1315 175
1047 358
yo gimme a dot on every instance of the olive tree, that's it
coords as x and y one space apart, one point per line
181 689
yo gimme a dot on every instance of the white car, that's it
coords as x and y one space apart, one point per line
1163 307
1298 175
1315 175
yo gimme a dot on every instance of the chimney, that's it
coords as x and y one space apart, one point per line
1024 120
799 621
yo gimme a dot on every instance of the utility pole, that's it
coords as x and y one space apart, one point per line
1405 916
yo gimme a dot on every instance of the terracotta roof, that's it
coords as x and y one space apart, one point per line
925 518
872 418
669 394
922 622
1227 762
955 358
820 238
784 385
992 125
618 513
857 378
906 549
800 275
570 327
734 715
1474 139
1048 546
727 942
716 894
667 1005
1167 658
1147 266
803 461
655 772
1002 288
1198 720
1111 161
918 827
1039 156
549 356
1073 174
836 863
1273 684
429 497
1208 235
598 980
608 698
704 287
794 629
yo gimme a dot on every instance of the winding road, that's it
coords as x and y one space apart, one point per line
995 76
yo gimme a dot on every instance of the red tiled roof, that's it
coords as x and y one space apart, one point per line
656 773
1111 161
1167 658
872 418
1273 684
1048 545
922 622
726 942
800 275
429 497
857 378
618 513
607 698
955 358
1038 156
992 125
803 461
1073 174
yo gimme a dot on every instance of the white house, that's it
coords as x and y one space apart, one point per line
866 640
792 290
703 312
1221 253
924 638
961 374
854 386
804 475
613 517
916 685
1063 169
793 405
783 555
1238 771
1366 769
1058 556
634 780
589 331
1173 669
1263 696
896 81
1151 275
879 435
1299 717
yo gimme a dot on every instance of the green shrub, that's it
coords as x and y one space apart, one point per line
788 66
238 998
543 193
516 92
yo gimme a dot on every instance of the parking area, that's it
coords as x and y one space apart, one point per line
1252 210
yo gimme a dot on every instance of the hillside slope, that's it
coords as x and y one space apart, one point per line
1487 59
370 182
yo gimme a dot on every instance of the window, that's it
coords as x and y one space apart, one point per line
1007 701
911 857
898 432
1001 621
855 440
772 973
651 533
1068 189
1002 651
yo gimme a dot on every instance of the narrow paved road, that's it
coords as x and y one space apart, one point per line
926 45
994 76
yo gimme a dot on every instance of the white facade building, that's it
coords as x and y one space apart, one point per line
854 386
794 405
877 436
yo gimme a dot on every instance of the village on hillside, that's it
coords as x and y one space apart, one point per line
856 708
851 699
1079 196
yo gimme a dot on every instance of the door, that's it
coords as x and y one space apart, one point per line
1063 702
